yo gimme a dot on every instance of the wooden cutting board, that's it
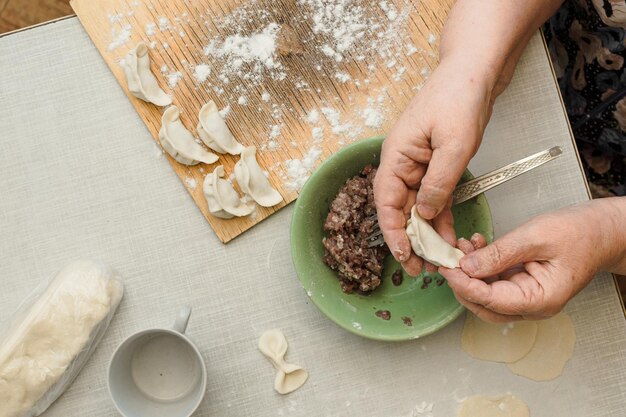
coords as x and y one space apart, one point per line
357 94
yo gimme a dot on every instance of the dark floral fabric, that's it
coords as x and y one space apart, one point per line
587 43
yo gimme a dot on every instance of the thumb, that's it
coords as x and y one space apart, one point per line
510 250
443 173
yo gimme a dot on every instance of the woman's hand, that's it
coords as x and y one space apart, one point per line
429 147
425 155
533 271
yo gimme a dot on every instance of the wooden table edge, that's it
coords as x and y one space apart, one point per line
47 22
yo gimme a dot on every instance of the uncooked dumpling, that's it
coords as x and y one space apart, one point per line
289 377
253 181
553 347
427 243
497 342
214 133
504 406
223 200
179 142
141 82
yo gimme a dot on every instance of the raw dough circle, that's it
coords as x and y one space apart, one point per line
553 347
497 342
504 406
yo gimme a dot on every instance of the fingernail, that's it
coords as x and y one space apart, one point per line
426 211
469 264
400 255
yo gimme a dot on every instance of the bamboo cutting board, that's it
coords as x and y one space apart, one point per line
316 102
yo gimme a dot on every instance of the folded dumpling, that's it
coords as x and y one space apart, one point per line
222 198
253 181
141 82
179 142
214 132
427 243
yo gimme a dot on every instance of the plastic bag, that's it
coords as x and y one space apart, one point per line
47 341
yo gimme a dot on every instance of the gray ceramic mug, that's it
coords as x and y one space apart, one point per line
158 373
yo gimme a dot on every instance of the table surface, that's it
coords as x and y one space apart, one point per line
82 178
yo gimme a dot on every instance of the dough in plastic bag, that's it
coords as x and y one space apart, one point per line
53 333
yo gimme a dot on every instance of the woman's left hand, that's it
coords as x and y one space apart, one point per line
533 271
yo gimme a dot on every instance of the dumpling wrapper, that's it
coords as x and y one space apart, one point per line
179 142
505 406
141 82
289 377
553 347
427 243
508 342
222 198
214 132
253 181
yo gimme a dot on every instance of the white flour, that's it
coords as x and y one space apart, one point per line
342 77
119 37
173 78
317 134
201 72
313 117
164 23
150 28
340 20
248 57
350 42
225 112
297 171
191 183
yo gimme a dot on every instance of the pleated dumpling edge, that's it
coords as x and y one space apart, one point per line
222 198
429 245
253 181
141 81
214 132
179 142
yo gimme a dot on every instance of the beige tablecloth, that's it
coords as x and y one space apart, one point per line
81 177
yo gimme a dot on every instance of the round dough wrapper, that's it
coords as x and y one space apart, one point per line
505 406
553 347
497 342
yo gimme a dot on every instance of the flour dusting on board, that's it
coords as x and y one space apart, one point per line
119 37
247 53
297 171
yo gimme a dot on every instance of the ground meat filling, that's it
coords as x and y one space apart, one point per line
348 225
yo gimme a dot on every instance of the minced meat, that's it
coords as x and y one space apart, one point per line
348 224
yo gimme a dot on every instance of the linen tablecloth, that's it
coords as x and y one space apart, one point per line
81 177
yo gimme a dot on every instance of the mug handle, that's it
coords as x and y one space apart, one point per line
180 324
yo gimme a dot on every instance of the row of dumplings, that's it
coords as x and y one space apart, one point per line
222 198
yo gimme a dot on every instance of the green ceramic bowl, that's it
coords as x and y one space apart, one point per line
415 311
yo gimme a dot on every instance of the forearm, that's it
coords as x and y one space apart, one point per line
485 38
611 217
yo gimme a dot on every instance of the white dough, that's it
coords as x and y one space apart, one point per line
497 342
253 181
46 345
214 132
553 347
179 142
427 243
289 377
504 406
141 82
221 197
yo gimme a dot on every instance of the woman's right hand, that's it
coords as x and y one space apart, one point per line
426 153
